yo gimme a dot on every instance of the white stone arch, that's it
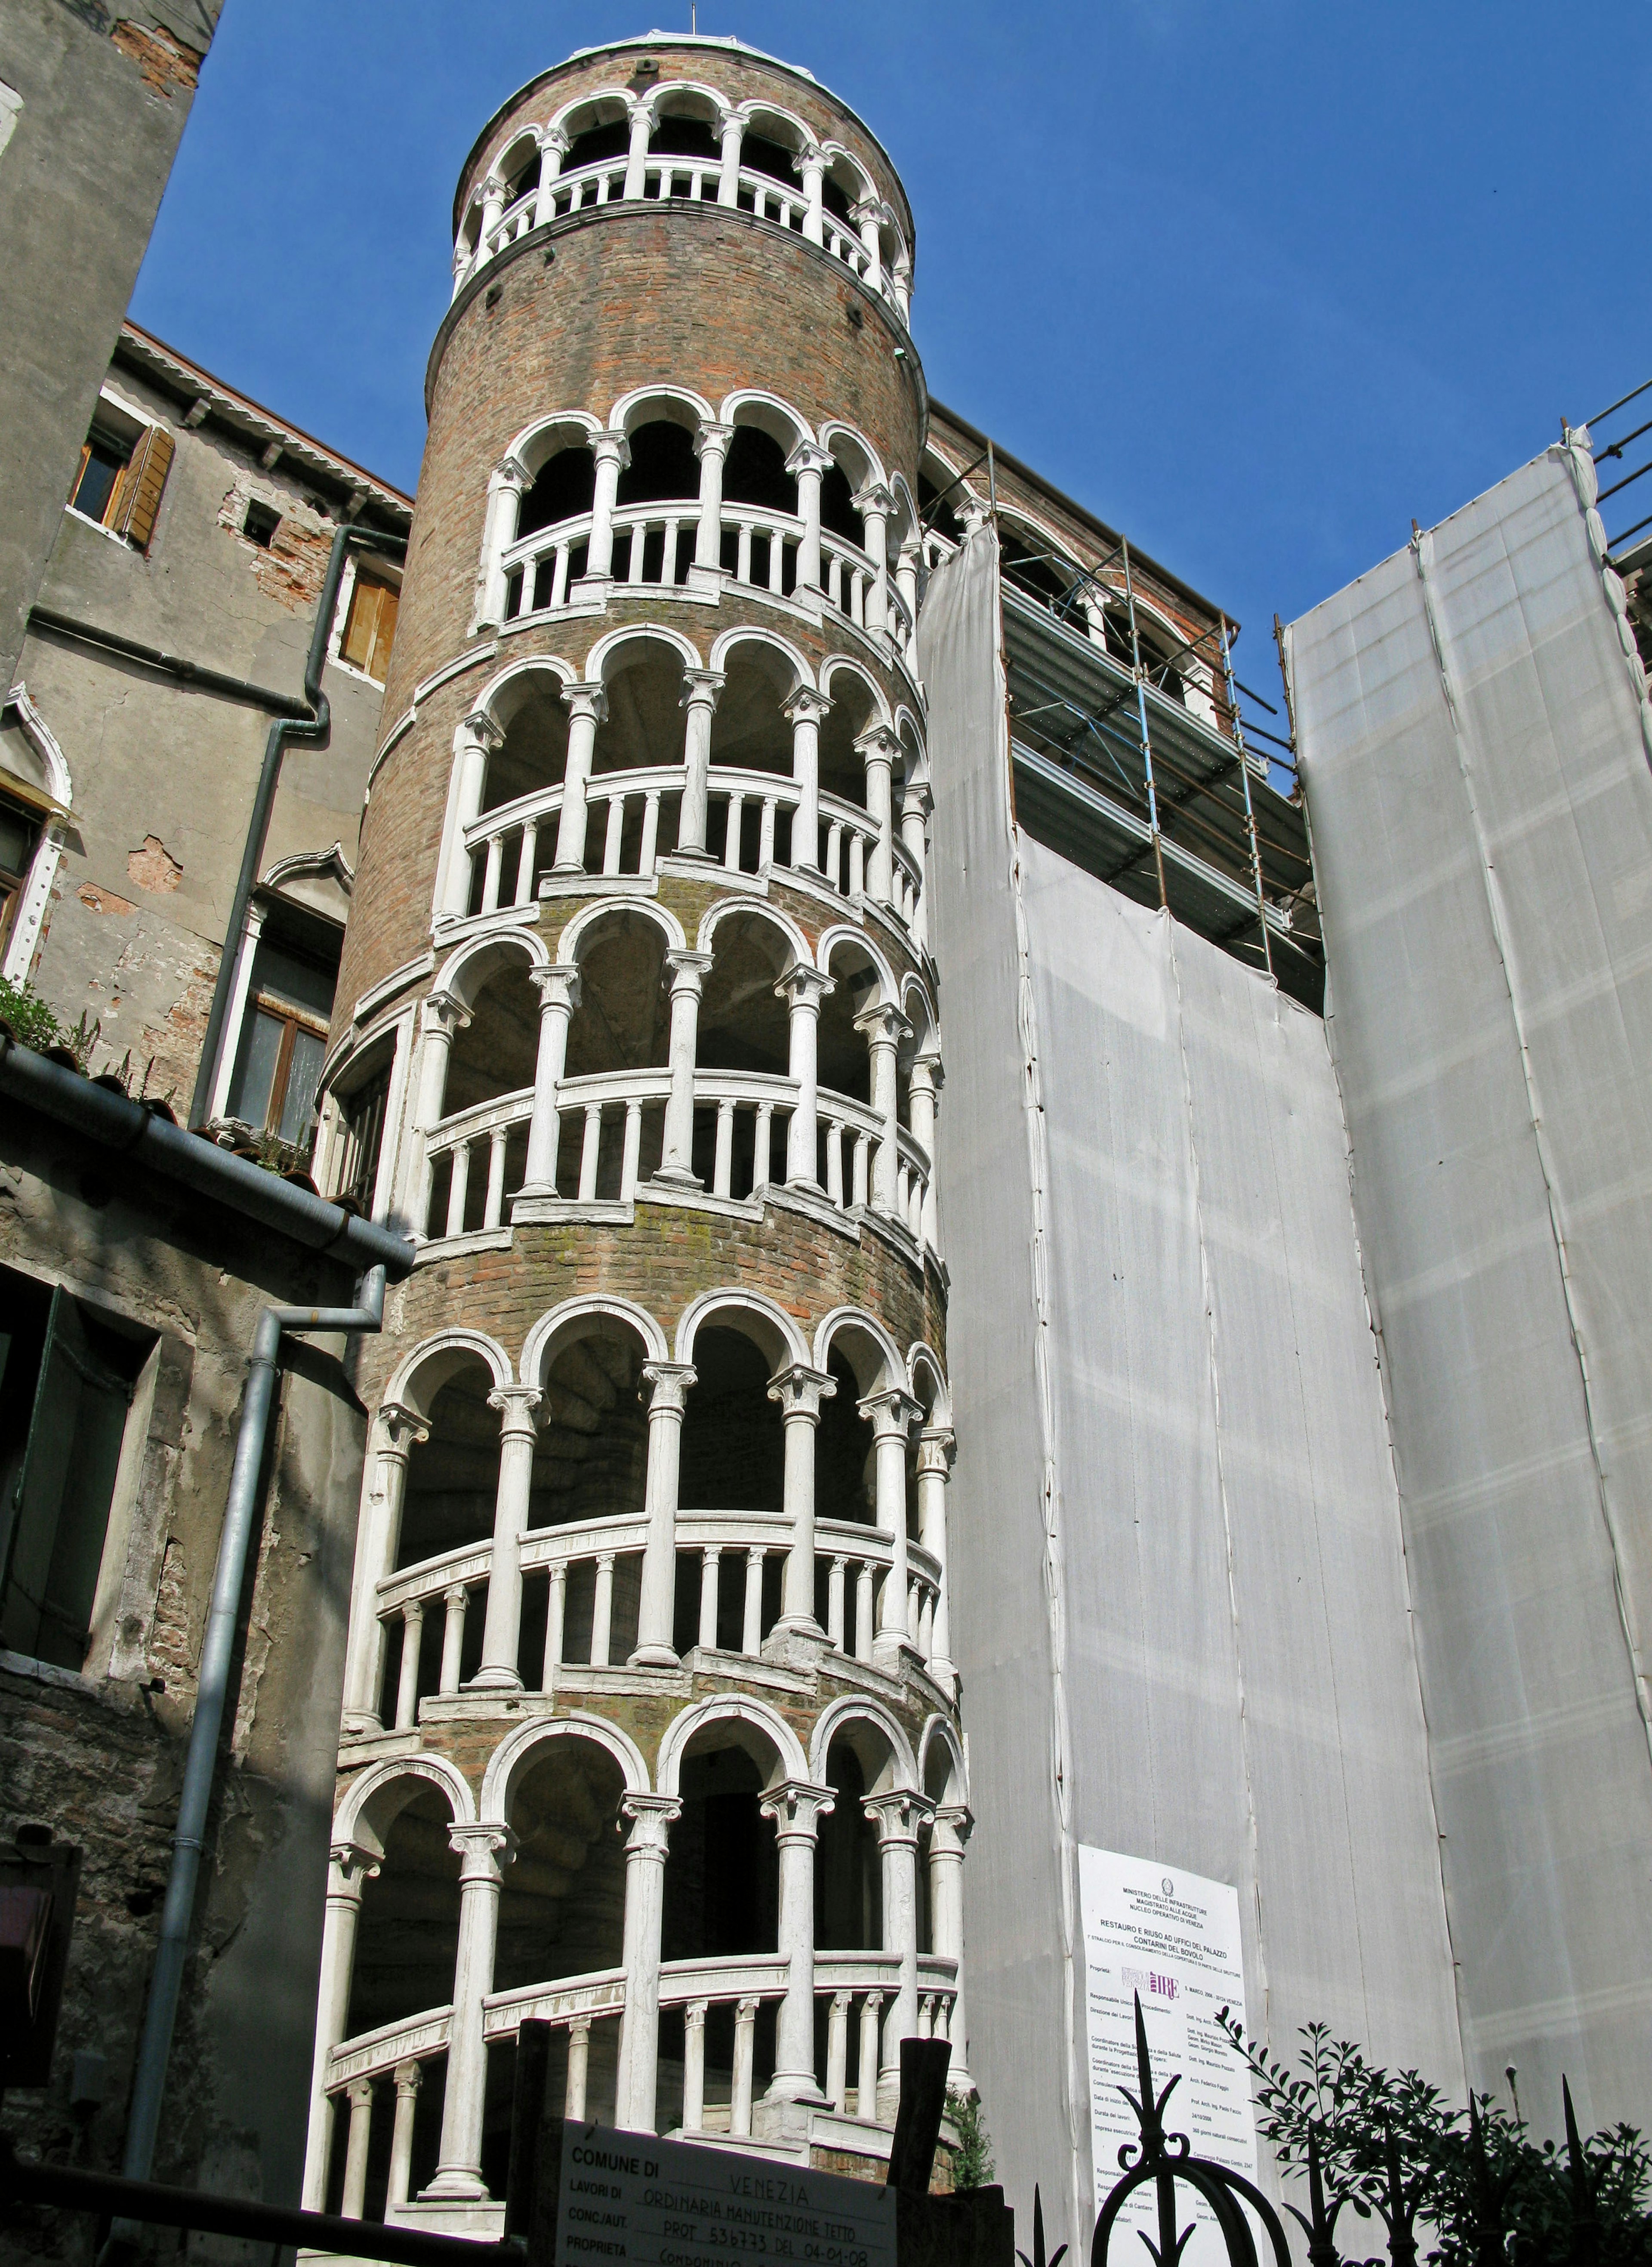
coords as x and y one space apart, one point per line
547 436
678 405
953 486
842 665
918 1010
761 1723
523 147
559 1328
920 1356
470 965
515 1751
617 101
909 732
370 1807
773 1329
600 660
571 944
840 160
753 405
876 1349
855 453
441 1356
860 1708
751 634
771 915
938 1734
903 521
1039 537
518 676
674 92
760 115
846 933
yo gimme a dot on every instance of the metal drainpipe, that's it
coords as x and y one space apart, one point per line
240 1520
317 729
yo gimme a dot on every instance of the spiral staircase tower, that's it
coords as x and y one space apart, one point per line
650 1728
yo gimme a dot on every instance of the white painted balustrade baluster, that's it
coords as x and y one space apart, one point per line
863 1153
864 1611
835 1604
591 1150
837 2085
527 858
409 2079
359 2094
559 577
723 1168
866 2075
579 2064
555 1618
458 1187
857 864
762 1142
834 1160
751 1627
766 836
632 1153
490 877
834 854
616 835
407 1685
745 2041
454 1600
694 2065
493 1211
731 839
650 847
602 1611
709 1559
742 556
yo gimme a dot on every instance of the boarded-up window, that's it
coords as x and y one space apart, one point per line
370 628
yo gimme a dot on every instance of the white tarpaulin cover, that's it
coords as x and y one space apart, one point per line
1470 718
1180 1601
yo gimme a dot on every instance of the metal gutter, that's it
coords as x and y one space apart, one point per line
170 664
118 1123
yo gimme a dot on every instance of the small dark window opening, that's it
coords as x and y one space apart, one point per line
564 486
19 837
759 155
662 468
260 525
361 1136
837 511
942 518
283 1038
103 462
596 144
67 1376
835 201
685 137
755 473
524 180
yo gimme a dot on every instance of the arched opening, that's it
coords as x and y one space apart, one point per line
848 1901
531 757
494 1052
843 1057
754 472
722 1895
842 767
590 1463
733 1446
838 515
844 1478
622 1020
453 1482
749 733
407 1941
939 493
663 467
645 725
564 487
520 169
597 142
762 153
678 135
842 189
1035 567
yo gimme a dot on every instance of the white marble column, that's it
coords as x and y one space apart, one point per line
916 802
612 452
732 133
926 1078
867 217
898 1815
518 1427
879 751
689 973
495 195
553 147
884 1027
351 1865
668 1399
800 1390
559 996
475 740
482 1849
440 1016
900 284
890 1414
409 2079
875 505
806 710
359 2094
588 706
802 988
797 1809
937 1446
907 576
947 1837
651 1816
699 697
507 484
398 1430
636 156
807 464
711 446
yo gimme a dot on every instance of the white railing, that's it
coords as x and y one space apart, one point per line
852 1563
628 813
475 1145
696 181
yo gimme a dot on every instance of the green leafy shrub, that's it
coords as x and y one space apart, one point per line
1477 2180
22 1007
972 2162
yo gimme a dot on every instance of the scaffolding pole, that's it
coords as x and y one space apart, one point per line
1245 775
1147 744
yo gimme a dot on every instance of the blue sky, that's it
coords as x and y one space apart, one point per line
1257 282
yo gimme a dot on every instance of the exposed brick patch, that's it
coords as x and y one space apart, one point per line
292 570
103 901
153 866
163 61
168 1653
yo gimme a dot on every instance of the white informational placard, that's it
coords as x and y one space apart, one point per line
1173 1938
626 2196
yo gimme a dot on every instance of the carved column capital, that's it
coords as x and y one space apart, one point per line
797 1809
800 1390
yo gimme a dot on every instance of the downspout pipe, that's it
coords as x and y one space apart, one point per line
315 729
240 1523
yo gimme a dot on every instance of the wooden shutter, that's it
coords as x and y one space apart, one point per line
371 630
141 486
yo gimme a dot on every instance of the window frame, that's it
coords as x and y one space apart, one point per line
131 512
292 1019
354 575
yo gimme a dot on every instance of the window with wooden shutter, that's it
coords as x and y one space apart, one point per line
141 491
370 628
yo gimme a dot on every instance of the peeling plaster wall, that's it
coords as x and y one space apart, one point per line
164 774
100 1756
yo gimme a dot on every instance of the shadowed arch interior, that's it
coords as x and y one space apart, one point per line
533 754
663 468
849 1876
561 1906
494 1052
843 1057
408 1935
743 1025
645 722
623 1018
748 731
564 487
452 1476
842 770
733 1449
